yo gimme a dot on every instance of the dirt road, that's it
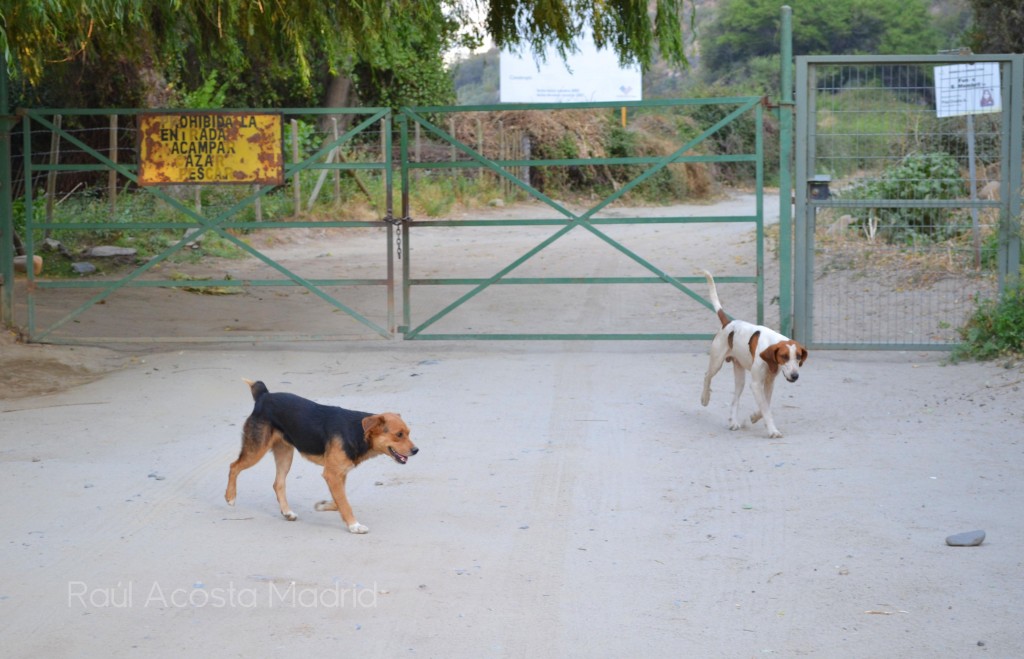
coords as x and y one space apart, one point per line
569 499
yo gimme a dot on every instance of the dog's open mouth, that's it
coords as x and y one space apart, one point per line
399 458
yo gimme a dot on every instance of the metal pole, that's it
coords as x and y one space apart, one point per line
972 169
112 174
6 207
296 175
786 106
1008 256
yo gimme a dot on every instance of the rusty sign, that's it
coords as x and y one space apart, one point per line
210 147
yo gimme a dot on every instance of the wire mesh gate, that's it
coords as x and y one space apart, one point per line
904 217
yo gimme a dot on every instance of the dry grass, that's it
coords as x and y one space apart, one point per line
841 246
580 133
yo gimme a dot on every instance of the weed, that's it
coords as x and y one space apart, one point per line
995 329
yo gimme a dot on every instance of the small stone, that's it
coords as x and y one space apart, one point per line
83 268
496 203
966 539
51 245
107 251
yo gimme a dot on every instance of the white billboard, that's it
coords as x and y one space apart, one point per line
587 76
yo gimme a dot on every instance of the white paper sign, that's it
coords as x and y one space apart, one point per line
967 89
587 76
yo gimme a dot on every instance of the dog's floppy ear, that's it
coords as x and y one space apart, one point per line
770 355
802 355
372 422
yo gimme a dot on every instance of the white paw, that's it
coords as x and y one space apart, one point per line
290 516
357 528
775 434
231 502
324 506
705 397
735 425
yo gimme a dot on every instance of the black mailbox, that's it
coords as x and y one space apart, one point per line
818 187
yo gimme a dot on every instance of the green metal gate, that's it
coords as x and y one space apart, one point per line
91 296
561 221
191 225
904 218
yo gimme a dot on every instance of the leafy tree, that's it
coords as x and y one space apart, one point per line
747 29
304 44
272 51
998 26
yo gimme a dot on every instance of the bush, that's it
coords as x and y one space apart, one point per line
995 329
918 177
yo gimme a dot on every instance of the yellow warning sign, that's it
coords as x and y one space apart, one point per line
210 147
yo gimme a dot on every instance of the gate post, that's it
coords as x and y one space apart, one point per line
6 207
785 182
1011 227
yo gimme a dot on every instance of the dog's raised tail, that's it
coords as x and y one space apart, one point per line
257 388
722 316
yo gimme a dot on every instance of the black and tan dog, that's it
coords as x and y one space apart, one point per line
335 438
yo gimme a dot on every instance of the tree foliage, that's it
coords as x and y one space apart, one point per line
270 50
626 26
280 50
747 29
998 26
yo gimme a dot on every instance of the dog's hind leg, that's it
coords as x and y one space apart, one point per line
283 454
740 377
255 444
719 351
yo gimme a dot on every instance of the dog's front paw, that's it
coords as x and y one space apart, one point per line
705 397
735 425
323 506
774 433
356 527
290 516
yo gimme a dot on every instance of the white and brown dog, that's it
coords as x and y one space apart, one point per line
755 348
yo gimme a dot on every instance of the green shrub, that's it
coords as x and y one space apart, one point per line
918 177
995 329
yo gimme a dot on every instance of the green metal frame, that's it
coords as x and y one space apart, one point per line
1009 204
562 219
6 205
566 220
787 107
219 224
